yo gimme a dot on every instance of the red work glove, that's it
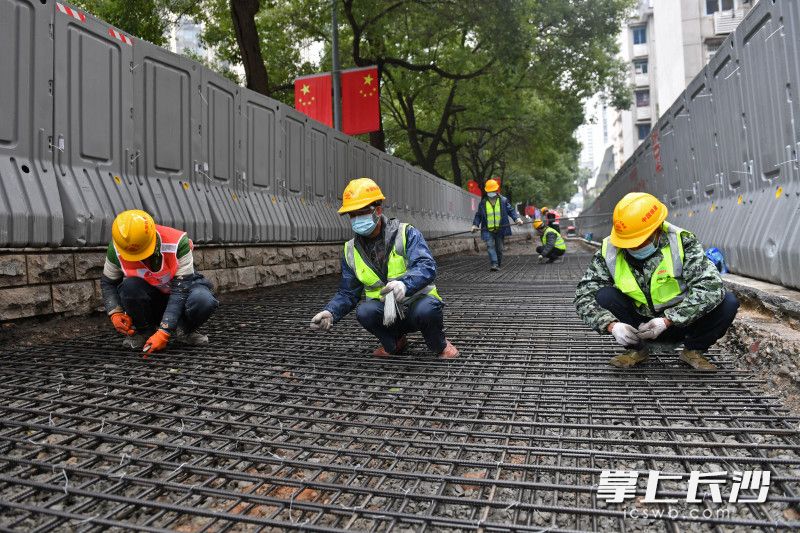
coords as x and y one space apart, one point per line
156 342
122 323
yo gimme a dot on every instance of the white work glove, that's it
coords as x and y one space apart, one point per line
541 259
473 229
322 321
520 222
625 334
652 329
396 287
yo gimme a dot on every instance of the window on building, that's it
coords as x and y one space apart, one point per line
643 98
712 6
640 66
643 130
639 34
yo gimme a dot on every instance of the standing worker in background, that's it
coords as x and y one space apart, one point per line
549 219
553 245
386 256
150 288
651 281
492 218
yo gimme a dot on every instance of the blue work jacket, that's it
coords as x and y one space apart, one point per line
507 214
420 272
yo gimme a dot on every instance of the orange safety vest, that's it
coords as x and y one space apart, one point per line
170 237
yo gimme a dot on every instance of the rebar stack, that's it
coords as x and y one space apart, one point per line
272 426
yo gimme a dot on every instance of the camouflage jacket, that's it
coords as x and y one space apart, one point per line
704 291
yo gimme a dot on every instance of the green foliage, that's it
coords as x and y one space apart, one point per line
145 19
469 90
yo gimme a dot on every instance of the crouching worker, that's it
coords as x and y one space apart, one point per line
651 281
150 288
386 256
553 245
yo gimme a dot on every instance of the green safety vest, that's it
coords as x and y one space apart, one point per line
396 268
560 244
667 286
493 214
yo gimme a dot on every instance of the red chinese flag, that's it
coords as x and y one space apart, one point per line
312 96
361 105
474 188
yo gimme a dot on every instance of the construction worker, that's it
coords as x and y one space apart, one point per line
553 244
386 256
150 288
651 281
492 218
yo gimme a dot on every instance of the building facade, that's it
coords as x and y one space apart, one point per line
666 43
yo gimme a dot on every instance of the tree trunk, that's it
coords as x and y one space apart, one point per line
243 13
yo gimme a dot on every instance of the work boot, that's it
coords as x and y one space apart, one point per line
449 352
192 339
494 268
134 342
697 360
629 358
399 347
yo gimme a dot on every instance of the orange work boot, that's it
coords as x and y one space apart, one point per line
399 347
449 352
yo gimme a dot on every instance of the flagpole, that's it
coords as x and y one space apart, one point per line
337 101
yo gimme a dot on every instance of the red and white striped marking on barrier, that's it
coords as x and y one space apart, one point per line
120 36
74 13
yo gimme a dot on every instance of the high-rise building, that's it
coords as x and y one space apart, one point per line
666 43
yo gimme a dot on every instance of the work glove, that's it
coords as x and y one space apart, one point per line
520 222
322 321
652 329
474 228
396 287
157 342
541 259
625 334
123 323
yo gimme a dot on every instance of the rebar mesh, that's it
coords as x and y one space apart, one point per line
272 426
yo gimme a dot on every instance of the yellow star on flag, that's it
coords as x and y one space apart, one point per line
368 79
306 89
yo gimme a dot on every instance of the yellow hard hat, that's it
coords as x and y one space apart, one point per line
134 234
360 193
545 210
537 223
636 217
491 185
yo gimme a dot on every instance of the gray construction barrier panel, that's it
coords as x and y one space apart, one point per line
724 157
94 121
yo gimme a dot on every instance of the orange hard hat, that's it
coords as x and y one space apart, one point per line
491 185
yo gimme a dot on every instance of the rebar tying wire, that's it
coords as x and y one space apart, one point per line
272 426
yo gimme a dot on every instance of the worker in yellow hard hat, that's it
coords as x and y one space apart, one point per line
553 244
386 261
493 219
151 290
651 281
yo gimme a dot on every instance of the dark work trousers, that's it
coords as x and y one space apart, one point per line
145 304
494 245
424 315
699 335
554 254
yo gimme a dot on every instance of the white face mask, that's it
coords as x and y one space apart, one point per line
491 194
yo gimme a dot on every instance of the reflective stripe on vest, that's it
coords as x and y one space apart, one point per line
560 244
169 237
667 287
396 268
493 214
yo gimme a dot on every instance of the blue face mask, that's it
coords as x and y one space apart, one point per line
644 252
491 194
364 225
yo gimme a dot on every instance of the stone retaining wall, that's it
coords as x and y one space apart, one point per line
67 283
